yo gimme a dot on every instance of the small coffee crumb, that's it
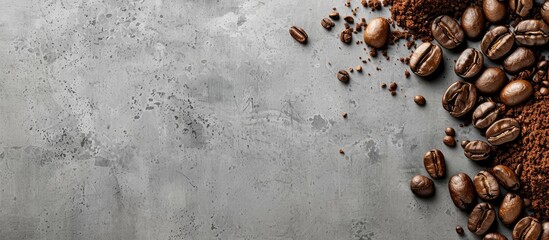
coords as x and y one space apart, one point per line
419 100
393 86
373 53
341 151
383 85
459 230
351 69
406 74
344 115
359 68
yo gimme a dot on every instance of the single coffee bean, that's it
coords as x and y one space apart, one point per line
543 91
497 42
447 32
527 228
544 231
425 59
327 23
434 163
459 98
334 15
486 185
481 218
491 81
477 150
545 12
503 131
532 33
343 76
462 191
469 63
464 143
516 93
485 114
349 19
459 230
494 10
510 208
346 36
299 34
472 22
521 59
508 179
494 236
521 7
422 186
450 132
449 141
420 100
376 34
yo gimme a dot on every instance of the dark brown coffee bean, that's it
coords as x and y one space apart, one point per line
494 236
434 163
343 76
334 15
425 59
545 12
527 228
508 179
481 218
450 132
422 186
327 23
544 229
464 143
472 22
299 34
469 63
532 33
420 100
449 141
349 19
459 98
497 42
447 32
462 191
459 230
477 150
486 185
516 93
485 114
521 59
346 36
494 10
376 34
510 208
491 81
521 7
503 131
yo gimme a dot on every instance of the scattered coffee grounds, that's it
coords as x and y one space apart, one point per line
416 15
530 150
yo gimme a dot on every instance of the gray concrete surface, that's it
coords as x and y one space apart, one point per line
189 119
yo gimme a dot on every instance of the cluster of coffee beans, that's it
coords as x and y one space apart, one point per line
479 98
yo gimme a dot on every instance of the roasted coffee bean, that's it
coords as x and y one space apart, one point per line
462 191
450 132
420 100
494 10
447 32
349 19
481 218
425 59
510 208
464 143
376 34
299 34
327 23
497 42
494 236
545 12
544 231
486 185
469 63
485 114
521 59
516 93
434 163
491 81
503 131
422 186
477 150
459 98
508 179
343 76
334 15
527 228
459 230
532 33
346 36
472 22
521 7
449 141
543 91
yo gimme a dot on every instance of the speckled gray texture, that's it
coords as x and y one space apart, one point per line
203 119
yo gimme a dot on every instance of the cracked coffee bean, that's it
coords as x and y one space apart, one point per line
447 32
503 131
346 36
497 42
491 81
376 33
507 177
494 236
426 59
521 59
481 218
469 63
472 22
532 33
327 23
510 208
527 228
459 98
299 34
477 150
343 76
486 185
521 7
485 114
462 191
516 93
434 163
422 186
494 10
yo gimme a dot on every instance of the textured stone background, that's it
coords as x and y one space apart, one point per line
203 119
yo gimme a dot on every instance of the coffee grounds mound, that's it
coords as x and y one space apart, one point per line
416 15
532 151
